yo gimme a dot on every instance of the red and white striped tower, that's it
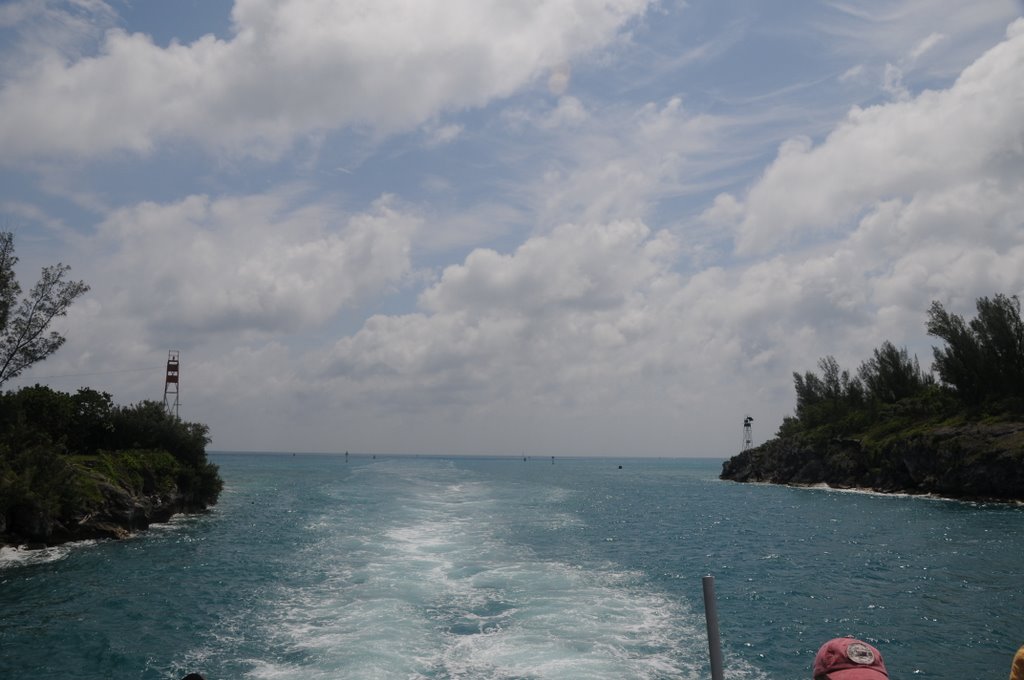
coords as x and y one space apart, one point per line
171 383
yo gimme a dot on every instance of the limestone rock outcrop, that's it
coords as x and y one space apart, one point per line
979 461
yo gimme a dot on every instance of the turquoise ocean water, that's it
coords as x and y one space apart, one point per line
412 568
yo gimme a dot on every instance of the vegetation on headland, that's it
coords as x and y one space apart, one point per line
78 466
893 427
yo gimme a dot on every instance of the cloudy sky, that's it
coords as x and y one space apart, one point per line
541 227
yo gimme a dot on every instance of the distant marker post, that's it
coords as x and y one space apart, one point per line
714 639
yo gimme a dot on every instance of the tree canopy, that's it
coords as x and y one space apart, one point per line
23 325
980 367
58 451
983 359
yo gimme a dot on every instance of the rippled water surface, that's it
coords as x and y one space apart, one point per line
314 567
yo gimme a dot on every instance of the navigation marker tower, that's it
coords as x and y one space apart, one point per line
171 383
748 437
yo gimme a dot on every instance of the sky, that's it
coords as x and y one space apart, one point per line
505 227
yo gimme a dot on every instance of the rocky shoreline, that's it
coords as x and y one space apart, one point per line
975 461
117 511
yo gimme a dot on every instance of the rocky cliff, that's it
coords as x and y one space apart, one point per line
979 461
110 495
120 513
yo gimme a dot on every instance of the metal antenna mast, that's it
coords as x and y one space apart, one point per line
748 437
171 383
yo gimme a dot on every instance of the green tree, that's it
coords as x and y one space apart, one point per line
983 360
92 426
810 392
148 425
891 374
829 397
23 337
959 362
38 410
1000 336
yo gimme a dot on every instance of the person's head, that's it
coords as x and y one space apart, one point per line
849 659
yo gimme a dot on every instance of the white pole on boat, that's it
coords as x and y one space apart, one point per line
714 639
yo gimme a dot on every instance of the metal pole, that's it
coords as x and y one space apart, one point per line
714 639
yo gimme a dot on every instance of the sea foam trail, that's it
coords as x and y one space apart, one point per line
318 567
430 586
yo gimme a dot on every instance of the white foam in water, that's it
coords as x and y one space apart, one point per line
13 556
437 592
573 622
183 521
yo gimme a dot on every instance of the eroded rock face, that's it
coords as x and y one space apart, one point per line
119 515
30 521
977 461
125 513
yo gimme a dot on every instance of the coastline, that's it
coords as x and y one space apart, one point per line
979 462
14 555
868 491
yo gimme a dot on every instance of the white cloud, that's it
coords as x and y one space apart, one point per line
41 28
558 81
928 43
892 83
937 141
619 164
724 211
297 67
569 112
852 73
590 322
575 267
252 263
559 316
72 13
883 29
17 11
443 135
910 43
904 203
593 334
